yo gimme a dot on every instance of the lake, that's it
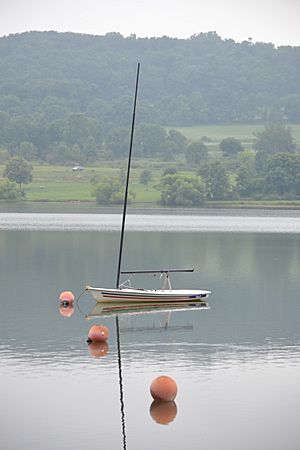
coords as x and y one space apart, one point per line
236 363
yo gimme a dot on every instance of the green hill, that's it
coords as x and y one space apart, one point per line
63 95
184 82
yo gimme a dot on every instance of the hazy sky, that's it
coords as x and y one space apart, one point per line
276 21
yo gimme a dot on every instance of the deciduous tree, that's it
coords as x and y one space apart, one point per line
182 190
195 153
275 138
230 146
216 179
18 170
109 191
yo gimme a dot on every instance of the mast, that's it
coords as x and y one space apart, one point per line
127 177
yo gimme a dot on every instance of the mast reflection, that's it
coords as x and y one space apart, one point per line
162 412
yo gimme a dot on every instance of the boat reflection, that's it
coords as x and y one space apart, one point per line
127 308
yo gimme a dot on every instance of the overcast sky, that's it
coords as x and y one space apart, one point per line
276 21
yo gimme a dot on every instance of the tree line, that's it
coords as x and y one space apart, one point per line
271 170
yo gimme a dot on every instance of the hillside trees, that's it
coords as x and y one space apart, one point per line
50 76
27 151
274 138
117 142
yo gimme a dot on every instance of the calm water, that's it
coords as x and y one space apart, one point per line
237 364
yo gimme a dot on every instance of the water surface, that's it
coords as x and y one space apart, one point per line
236 364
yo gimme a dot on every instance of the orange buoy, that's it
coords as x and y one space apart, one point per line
98 349
98 333
66 310
66 296
163 388
163 412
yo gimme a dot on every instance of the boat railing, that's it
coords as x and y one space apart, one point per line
123 272
165 272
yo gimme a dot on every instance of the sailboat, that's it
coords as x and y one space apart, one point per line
125 292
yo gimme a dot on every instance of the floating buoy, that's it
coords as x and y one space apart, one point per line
98 333
66 310
163 388
98 349
66 297
163 412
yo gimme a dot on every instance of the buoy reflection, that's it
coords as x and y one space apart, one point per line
98 349
163 412
66 310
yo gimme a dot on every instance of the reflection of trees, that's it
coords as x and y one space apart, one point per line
254 277
92 255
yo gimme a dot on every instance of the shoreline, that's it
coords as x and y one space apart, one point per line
259 205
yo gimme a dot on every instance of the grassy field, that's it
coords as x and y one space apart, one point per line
216 133
60 184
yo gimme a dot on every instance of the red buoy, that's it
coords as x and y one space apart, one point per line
163 388
163 412
66 296
98 333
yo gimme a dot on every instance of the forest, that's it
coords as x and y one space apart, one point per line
66 98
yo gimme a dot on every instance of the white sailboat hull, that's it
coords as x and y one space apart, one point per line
147 295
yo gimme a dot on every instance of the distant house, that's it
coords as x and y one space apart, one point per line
77 168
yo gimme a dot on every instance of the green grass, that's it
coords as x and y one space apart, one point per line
58 191
61 184
248 203
216 133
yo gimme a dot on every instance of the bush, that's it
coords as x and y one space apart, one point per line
182 190
9 192
230 146
109 191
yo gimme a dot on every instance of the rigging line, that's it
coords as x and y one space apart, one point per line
121 383
127 177
77 303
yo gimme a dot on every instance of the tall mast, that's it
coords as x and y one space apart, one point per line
127 177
